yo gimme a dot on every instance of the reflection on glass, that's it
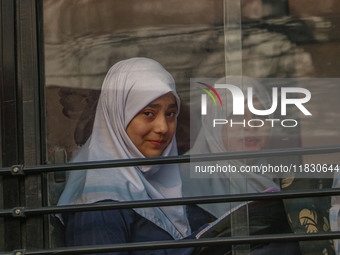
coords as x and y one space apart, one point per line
79 53
190 43
267 39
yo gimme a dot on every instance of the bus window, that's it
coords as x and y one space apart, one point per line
289 47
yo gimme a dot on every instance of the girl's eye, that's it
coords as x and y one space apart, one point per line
172 114
149 114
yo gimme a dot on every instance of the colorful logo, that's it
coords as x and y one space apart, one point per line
204 97
296 96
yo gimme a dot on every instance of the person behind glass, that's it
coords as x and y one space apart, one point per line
135 118
231 138
235 138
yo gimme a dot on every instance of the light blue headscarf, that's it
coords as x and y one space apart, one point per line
129 86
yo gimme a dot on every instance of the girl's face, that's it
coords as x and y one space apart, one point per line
239 138
152 129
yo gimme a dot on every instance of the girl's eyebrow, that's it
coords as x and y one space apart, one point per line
157 106
154 105
173 106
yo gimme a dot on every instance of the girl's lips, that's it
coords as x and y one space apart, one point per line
156 142
250 141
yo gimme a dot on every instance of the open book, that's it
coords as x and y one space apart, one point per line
219 226
263 217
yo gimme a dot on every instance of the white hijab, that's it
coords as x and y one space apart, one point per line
209 140
129 86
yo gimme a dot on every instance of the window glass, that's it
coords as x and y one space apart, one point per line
83 39
271 45
289 47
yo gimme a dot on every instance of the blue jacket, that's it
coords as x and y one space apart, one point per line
116 226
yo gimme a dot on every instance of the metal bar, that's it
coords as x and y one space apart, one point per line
10 131
233 38
175 159
29 116
171 244
169 202
234 68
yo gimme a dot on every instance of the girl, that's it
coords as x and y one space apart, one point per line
135 118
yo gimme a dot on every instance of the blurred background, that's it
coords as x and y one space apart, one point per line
191 38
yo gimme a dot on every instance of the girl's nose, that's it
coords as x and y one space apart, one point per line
248 115
161 124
